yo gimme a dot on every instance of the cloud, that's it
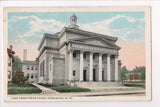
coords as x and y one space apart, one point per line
20 41
103 27
39 25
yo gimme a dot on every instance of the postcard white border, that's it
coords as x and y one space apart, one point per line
146 9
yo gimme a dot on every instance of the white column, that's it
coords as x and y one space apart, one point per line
81 65
100 67
91 67
116 68
108 68
70 64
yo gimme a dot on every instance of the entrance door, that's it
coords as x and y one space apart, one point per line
94 74
102 75
84 75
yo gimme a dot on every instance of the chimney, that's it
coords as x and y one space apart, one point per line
25 55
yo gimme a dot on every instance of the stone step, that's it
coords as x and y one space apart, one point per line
114 89
106 86
97 84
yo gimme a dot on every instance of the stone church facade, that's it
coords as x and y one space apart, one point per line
76 55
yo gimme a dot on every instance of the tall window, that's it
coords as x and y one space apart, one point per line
94 56
42 68
84 55
35 75
28 75
35 67
74 55
32 75
9 75
9 63
74 73
27 67
32 68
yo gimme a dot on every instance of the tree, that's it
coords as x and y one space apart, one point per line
17 65
124 71
18 77
130 77
143 75
141 70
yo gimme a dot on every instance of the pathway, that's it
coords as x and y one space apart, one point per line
44 89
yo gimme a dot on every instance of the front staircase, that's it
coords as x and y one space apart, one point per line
107 87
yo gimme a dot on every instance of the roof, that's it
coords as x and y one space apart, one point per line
30 62
101 39
84 32
78 31
74 16
47 35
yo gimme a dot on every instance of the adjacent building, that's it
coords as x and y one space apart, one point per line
76 55
10 60
30 69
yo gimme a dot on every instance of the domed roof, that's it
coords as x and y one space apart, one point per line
73 16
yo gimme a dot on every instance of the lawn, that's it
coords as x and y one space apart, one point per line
25 89
135 85
66 88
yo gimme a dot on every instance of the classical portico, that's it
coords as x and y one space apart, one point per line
100 69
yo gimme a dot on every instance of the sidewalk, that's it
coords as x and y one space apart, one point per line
45 90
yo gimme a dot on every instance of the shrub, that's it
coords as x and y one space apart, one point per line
18 77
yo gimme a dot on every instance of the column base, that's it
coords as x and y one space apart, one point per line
81 81
90 80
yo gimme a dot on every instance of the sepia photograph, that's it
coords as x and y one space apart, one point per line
77 53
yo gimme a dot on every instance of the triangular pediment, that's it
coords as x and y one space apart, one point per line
97 42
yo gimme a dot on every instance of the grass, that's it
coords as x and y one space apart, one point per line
135 85
66 88
25 89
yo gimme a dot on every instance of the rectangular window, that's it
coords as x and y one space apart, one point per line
74 55
94 56
84 55
32 68
36 68
27 67
36 75
74 73
9 76
9 63
28 75
31 75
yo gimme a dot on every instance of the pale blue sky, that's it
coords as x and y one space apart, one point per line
21 24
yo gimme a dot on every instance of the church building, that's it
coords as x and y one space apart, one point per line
76 55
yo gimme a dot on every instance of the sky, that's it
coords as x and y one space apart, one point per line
25 31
